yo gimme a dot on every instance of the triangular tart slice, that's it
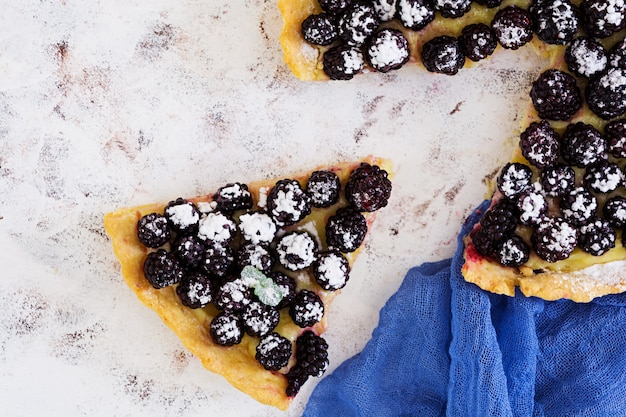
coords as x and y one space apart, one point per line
277 298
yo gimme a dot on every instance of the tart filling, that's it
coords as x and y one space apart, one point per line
232 273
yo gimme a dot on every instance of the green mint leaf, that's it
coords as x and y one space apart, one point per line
264 287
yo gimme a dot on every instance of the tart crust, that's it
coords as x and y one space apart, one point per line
235 363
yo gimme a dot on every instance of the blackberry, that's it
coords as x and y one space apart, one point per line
319 29
603 177
273 351
540 144
216 227
513 251
218 260
306 309
195 290
585 57
311 360
182 215
258 256
368 188
162 269
443 55
385 9
500 220
532 206
614 211
323 187
578 206
596 237
357 23
189 250
331 270
287 202
606 94
152 230
514 179
615 133
287 286
416 14
555 95
617 55
477 41
233 296
554 240
555 21
334 6
226 329
582 145
558 180
346 230
489 3
232 197
259 319
257 228
387 50
452 8
513 27
343 62
296 250
485 244
602 18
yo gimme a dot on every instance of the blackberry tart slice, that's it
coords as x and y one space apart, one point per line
235 317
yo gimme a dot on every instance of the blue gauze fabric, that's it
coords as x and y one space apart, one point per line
444 347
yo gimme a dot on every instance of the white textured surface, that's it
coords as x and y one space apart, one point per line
112 103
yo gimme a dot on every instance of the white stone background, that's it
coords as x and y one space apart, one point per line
110 103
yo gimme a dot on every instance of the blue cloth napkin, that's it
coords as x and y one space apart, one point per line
444 347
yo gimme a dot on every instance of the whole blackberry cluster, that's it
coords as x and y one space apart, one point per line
320 29
385 9
583 145
513 251
287 202
311 360
334 7
578 206
586 57
387 50
182 216
226 329
596 237
603 177
273 351
258 256
514 179
331 270
415 14
368 188
615 133
557 180
606 94
554 240
452 8
540 144
306 309
614 211
357 23
555 21
189 250
233 296
259 319
153 231
346 230
218 260
195 290
296 250
498 223
617 55
532 206
477 41
323 187
513 27
556 95
602 18
162 269
443 54
343 62
232 197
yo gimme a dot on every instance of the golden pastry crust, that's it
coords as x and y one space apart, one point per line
236 363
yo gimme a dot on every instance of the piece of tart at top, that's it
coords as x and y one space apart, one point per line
245 276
